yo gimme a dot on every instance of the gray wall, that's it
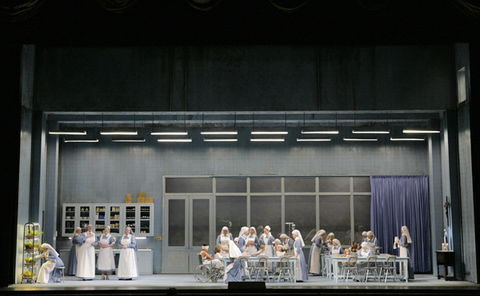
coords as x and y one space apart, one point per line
106 172
245 78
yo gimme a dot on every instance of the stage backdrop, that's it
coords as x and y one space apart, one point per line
398 201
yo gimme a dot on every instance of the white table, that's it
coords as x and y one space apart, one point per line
254 259
335 260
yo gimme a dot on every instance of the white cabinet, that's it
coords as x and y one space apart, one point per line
116 215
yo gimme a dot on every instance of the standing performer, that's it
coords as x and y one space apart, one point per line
405 241
86 256
127 264
242 238
106 261
223 240
315 251
302 271
268 241
252 242
77 241
287 244
46 271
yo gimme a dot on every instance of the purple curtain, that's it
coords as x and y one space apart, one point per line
398 201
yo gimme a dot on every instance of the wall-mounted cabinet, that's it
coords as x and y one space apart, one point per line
118 216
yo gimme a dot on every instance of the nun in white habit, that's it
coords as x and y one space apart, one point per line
302 271
86 256
242 238
106 261
127 263
46 271
77 241
315 251
252 242
223 238
233 271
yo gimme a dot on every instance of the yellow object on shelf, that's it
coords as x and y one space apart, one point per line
141 194
141 199
148 199
128 199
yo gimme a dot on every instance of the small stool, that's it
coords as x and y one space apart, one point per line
62 276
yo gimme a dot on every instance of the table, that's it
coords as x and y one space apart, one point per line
254 259
446 258
334 260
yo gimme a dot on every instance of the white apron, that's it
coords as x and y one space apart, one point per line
224 239
299 265
105 261
127 264
86 259
315 260
45 270
251 250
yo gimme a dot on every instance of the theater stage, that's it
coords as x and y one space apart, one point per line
185 284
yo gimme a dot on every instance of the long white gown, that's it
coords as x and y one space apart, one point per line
127 264
86 259
106 261
251 250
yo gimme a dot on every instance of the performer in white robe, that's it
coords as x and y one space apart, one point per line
223 240
301 269
106 261
47 269
86 256
127 264
252 242
315 251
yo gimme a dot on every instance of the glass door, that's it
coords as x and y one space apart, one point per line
188 223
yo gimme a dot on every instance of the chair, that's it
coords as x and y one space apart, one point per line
60 277
262 268
285 269
246 270
350 267
371 267
390 267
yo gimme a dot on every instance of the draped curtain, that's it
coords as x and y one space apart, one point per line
399 201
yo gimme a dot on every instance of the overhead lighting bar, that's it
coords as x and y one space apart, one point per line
220 140
267 140
361 139
269 132
219 133
174 140
407 139
80 140
128 140
314 140
370 132
169 133
420 131
326 132
70 133
118 133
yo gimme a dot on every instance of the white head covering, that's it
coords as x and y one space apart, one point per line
365 245
108 229
268 228
283 235
319 233
75 232
131 232
364 233
235 239
370 233
299 235
224 228
242 231
205 247
254 230
337 242
278 242
233 250
89 226
48 246
407 234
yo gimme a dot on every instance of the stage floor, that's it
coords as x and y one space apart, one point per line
187 281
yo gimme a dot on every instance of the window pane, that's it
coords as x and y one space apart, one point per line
335 216
231 210
299 184
334 184
188 185
361 207
176 222
200 221
265 184
266 210
301 211
361 184
231 185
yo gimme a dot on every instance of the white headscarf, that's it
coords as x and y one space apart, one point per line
299 235
407 234
278 242
254 230
319 233
89 226
330 234
364 233
269 231
75 232
337 242
48 246
224 228
370 233
242 232
233 250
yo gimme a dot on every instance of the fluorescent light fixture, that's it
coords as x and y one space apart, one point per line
141 237
174 140
219 133
407 139
325 132
80 140
169 133
128 140
420 131
119 133
70 133
361 139
269 132
370 132
267 140
314 140
220 140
